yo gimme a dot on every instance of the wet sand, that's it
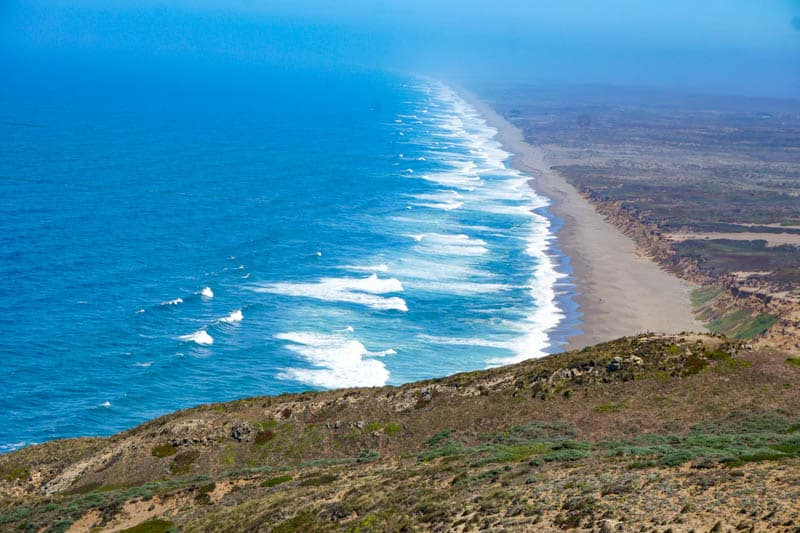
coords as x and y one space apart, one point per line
620 292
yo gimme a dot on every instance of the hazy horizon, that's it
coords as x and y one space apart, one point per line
733 47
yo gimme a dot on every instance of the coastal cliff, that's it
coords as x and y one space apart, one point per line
741 304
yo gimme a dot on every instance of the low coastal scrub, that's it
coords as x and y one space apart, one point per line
729 442
645 415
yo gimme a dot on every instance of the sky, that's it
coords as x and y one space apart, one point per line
726 46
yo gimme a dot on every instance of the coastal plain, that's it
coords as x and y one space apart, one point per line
706 186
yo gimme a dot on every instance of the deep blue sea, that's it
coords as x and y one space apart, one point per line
163 247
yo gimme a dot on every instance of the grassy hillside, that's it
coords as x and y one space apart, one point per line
645 433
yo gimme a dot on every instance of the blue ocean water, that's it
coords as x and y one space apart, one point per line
167 247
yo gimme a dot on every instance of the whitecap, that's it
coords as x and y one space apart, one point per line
233 318
337 361
143 364
176 301
198 337
207 292
106 404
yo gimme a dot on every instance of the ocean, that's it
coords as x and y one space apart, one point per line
166 246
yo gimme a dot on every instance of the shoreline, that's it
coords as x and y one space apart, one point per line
618 291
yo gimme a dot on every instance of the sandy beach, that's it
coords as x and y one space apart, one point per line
620 292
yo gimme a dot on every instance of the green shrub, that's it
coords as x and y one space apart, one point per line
611 407
164 450
183 462
276 481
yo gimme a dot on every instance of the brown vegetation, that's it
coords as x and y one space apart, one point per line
657 432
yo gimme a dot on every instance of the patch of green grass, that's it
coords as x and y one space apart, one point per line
732 363
729 322
228 458
793 361
164 450
276 481
447 449
267 424
742 325
674 349
702 296
366 456
755 327
436 439
389 428
155 525
718 355
14 472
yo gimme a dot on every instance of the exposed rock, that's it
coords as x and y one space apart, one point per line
241 432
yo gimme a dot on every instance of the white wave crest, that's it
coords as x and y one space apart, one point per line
176 301
198 337
233 318
362 291
338 361
207 292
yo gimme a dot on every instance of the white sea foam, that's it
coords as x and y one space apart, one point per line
368 268
477 341
106 404
198 337
207 292
233 318
176 301
384 353
463 288
489 186
449 244
338 360
144 364
13 446
446 200
362 291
